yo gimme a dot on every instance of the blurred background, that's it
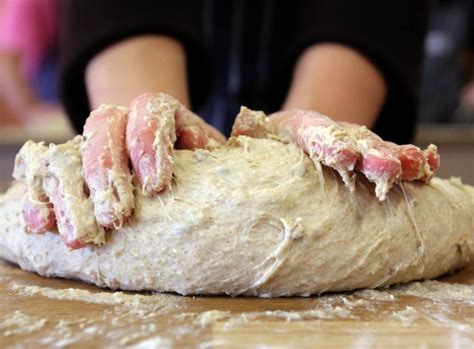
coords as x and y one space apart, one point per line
30 109
446 110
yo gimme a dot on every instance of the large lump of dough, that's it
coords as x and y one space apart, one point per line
256 217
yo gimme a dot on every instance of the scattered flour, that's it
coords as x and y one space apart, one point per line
74 294
407 316
211 316
154 343
160 320
376 295
20 323
138 304
437 291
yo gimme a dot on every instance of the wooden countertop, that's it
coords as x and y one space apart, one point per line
38 312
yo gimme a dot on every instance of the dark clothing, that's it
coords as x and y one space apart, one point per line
243 52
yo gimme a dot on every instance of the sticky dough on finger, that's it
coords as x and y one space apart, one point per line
105 162
37 210
64 184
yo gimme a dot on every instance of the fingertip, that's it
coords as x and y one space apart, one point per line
74 244
433 157
40 217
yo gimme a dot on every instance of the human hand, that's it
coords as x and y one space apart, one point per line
345 147
59 178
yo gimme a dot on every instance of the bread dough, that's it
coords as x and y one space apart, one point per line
256 217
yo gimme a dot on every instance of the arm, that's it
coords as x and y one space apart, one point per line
132 49
359 61
336 80
162 68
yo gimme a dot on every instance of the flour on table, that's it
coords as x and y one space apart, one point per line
439 291
208 317
406 316
19 323
132 320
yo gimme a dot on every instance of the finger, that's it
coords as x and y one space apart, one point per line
64 185
38 212
105 161
150 138
319 136
378 162
38 215
381 167
413 161
416 164
192 137
432 158
193 132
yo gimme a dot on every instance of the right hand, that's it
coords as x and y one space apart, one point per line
145 133
344 147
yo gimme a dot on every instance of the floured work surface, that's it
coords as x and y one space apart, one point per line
38 312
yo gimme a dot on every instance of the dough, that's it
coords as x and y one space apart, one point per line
256 217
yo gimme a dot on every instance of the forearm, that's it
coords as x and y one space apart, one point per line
337 81
137 65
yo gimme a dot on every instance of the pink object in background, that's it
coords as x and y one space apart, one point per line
27 28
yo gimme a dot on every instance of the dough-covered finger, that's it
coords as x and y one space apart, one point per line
399 162
29 168
414 163
64 185
316 134
193 133
105 161
39 214
192 137
378 161
150 138
319 136
432 158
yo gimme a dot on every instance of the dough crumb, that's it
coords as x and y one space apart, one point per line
406 316
208 317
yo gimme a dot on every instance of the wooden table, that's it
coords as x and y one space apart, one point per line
39 312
